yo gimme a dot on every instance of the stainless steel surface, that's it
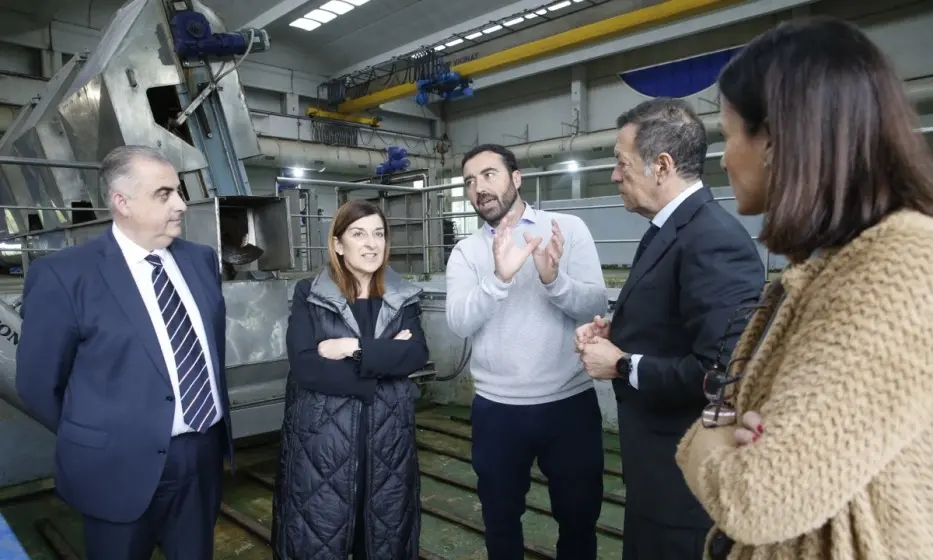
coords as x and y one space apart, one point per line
201 223
10 328
120 94
257 316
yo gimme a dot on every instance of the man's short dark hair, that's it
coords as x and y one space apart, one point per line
118 164
666 125
508 158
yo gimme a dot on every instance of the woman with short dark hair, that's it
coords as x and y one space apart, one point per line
348 477
830 454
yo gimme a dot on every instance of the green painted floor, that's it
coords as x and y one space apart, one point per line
452 524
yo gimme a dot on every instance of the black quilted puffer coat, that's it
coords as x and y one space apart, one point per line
317 487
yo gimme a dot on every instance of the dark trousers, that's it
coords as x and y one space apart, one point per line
647 540
566 438
182 513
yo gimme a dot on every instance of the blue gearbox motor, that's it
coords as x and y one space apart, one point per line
194 38
397 161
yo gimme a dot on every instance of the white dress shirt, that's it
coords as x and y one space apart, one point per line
142 273
659 219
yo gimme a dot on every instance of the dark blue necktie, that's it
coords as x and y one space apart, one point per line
645 241
197 400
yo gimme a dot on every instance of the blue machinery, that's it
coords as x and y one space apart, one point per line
446 85
396 162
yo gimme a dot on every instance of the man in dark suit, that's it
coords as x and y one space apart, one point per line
121 355
694 271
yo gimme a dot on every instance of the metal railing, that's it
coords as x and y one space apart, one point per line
426 218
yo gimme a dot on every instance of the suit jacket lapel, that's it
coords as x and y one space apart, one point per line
196 285
662 241
654 251
117 275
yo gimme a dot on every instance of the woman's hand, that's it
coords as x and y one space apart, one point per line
338 348
404 335
751 430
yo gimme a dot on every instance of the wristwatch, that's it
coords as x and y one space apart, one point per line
624 367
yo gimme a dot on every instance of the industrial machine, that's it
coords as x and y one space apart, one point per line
164 75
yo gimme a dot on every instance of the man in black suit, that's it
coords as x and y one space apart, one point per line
121 356
695 268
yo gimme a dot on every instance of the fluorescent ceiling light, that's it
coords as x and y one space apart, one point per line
337 6
357 2
541 12
454 43
531 16
515 21
440 48
305 24
476 35
492 29
321 15
577 1
559 5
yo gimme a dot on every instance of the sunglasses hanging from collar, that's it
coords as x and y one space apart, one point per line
718 381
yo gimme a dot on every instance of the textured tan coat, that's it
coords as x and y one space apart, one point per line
844 382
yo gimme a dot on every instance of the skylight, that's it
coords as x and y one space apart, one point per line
328 12
305 24
337 6
505 23
322 16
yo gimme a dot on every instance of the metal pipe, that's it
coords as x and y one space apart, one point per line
347 185
581 146
280 152
51 208
37 162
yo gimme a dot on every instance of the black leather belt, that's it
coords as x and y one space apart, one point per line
720 545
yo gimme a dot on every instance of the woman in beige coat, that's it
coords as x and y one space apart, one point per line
831 456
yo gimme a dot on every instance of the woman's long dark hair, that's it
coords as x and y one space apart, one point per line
842 129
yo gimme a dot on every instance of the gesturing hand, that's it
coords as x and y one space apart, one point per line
547 259
509 258
589 332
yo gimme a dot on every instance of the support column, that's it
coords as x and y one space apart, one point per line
51 63
291 104
579 110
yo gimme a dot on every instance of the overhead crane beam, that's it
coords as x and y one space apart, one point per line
374 122
651 15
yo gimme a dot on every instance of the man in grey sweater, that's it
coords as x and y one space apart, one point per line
518 287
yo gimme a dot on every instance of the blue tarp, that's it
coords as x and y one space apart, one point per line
10 549
681 78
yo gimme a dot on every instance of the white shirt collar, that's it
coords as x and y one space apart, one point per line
529 216
671 206
131 251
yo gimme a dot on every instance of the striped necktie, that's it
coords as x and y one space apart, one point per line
197 400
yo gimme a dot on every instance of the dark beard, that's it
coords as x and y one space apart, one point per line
495 214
